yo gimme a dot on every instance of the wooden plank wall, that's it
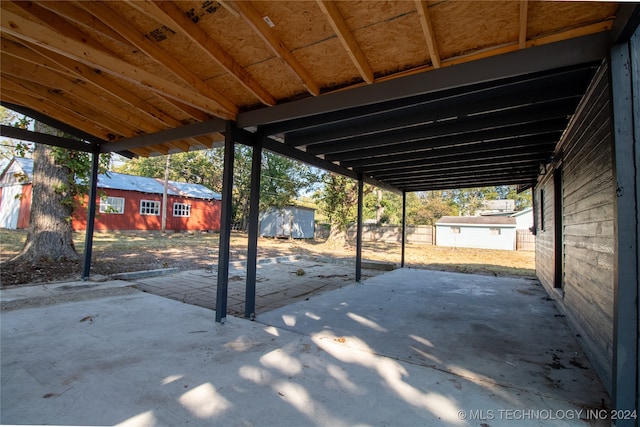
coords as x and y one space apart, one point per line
588 233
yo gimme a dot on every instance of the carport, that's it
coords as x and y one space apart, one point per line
408 96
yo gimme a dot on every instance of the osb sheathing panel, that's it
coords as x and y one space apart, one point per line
177 45
278 79
394 46
551 17
463 27
241 43
303 28
329 64
232 90
297 23
361 14
389 34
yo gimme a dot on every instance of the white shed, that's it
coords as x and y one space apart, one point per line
524 219
482 232
291 221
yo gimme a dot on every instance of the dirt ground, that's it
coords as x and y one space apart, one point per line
118 252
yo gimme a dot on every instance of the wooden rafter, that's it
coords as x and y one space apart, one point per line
347 39
59 84
179 21
40 35
105 88
58 62
427 29
273 41
522 36
75 14
26 97
102 11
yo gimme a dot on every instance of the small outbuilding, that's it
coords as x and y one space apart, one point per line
295 222
524 219
482 232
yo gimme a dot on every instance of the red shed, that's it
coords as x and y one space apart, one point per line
126 202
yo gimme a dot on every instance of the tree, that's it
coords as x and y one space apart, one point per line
59 176
282 180
338 199
431 206
197 167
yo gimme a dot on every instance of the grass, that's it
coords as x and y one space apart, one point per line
464 260
11 241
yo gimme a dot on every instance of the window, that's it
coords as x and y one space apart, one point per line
455 230
494 231
149 207
112 205
181 209
542 209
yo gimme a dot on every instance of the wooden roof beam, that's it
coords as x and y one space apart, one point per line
180 21
252 17
427 29
81 106
20 68
58 113
103 12
347 39
40 35
522 36
57 62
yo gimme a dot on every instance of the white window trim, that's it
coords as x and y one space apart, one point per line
145 211
183 209
107 205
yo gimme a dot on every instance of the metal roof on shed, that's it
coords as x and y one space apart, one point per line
121 181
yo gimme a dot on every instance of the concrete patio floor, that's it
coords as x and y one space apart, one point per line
406 348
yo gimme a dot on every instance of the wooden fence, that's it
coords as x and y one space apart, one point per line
420 234
525 240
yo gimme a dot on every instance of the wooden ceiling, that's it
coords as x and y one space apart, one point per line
122 69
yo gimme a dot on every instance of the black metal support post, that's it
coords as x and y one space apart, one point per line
404 228
625 88
91 214
225 226
252 244
359 230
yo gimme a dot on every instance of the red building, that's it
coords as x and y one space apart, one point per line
125 202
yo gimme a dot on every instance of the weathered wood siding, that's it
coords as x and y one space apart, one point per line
587 229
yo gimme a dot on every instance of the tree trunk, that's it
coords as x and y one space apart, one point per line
50 237
337 237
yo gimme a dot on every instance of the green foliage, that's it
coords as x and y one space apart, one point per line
338 200
282 180
11 148
79 165
197 167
